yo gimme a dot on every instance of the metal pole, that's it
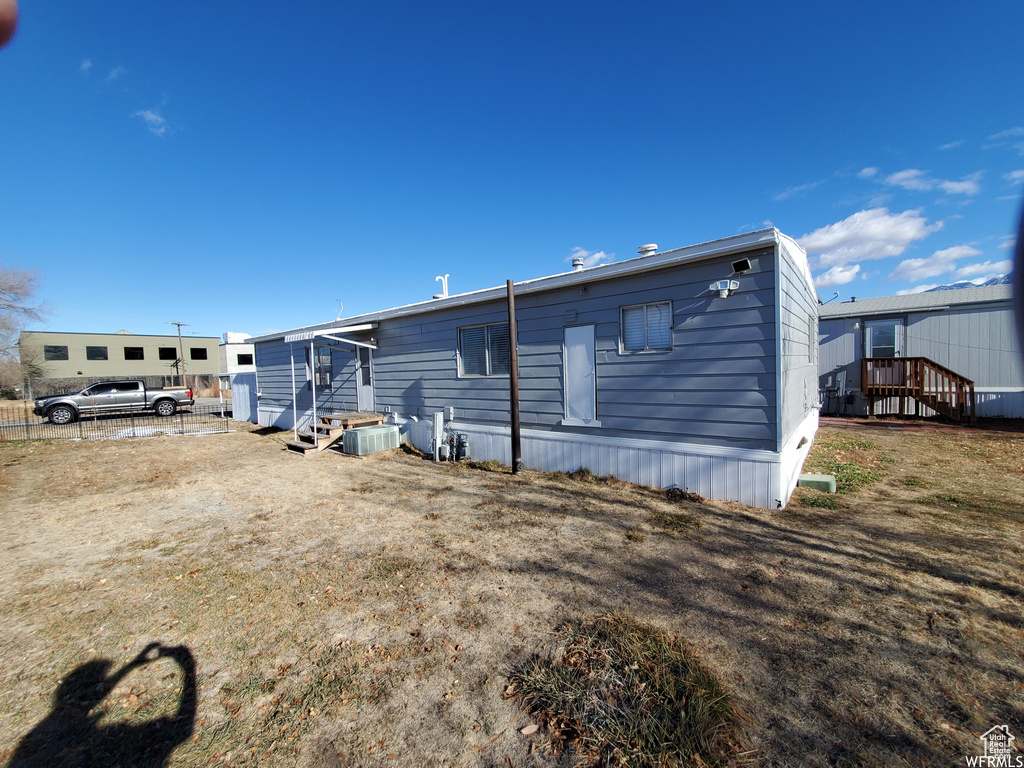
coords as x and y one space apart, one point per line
181 351
513 379
295 410
312 384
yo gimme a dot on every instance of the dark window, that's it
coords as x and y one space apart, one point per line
245 359
197 353
484 350
55 353
647 327
134 353
126 386
95 353
364 367
168 353
324 369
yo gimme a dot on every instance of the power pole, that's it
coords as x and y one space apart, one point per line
181 350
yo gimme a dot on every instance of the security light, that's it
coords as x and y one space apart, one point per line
725 287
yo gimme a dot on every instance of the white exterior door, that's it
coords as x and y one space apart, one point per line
364 379
580 364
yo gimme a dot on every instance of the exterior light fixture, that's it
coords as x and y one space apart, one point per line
856 325
725 287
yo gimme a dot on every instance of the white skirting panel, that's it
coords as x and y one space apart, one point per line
1007 402
756 477
275 417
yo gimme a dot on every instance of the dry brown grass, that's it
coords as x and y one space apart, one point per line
364 612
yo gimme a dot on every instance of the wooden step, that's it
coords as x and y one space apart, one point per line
303 448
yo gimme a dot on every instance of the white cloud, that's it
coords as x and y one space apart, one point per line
868 173
917 289
85 66
952 145
590 258
1008 241
911 178
156 122
920 181
1013 137
1014 176
795 191
939 263
870 234
968 185
984 270
115 74
840 274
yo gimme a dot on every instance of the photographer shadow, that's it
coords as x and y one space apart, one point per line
72 736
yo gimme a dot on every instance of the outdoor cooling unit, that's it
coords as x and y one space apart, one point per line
364 440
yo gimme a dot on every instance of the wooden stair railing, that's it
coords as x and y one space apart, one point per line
924 380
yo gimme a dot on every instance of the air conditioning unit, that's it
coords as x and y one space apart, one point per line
364 440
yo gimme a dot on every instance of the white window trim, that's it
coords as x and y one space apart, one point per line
646 350
487 351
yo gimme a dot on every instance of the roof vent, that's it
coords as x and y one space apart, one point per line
648 249
577 264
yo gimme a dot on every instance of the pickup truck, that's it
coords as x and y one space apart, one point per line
111 396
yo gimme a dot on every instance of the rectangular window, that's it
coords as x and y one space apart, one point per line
197 353
484 350
244 359
134 353
647 327
324 370
55 353
95 353
168 353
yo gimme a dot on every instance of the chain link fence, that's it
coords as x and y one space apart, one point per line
19 423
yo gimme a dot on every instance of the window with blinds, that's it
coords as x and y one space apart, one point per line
484 350
647 327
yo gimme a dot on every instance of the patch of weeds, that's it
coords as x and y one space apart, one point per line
674 522
913 481
168 551
887 460
431 516
820 500
850 477
952 498
903 513
678 494
391 565
486 466
582 475
364 487
143 544
636 534
625 693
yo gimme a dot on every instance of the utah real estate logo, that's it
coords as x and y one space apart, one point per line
998 742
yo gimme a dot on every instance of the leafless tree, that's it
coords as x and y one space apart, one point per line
17 306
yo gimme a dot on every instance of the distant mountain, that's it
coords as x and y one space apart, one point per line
1001 280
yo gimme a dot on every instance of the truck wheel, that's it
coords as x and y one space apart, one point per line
166 408
61 414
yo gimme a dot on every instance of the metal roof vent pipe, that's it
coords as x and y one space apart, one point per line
577 264
648 249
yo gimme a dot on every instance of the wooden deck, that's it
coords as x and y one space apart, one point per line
920 379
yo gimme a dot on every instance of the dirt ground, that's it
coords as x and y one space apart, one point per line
344 611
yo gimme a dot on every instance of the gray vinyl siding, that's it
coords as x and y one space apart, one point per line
275 361
977 342
716 386
798 322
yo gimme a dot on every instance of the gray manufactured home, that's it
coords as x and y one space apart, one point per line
693 368
912 354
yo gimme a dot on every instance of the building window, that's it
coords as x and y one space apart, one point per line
647 327
95 353
324 372
55 353
197 353
245 359
484 350
134 353
168 353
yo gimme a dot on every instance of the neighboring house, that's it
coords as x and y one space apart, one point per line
967 333
636 369
118 355
236 356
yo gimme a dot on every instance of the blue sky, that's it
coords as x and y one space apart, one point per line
243 166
